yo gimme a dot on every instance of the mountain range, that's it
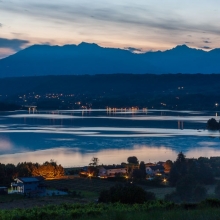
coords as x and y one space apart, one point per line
87 58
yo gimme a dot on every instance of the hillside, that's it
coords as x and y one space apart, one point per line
171 91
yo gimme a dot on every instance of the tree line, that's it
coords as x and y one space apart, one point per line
49 169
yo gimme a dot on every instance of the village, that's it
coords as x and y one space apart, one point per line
36 185
35 181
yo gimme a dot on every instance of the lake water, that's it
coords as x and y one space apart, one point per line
73 137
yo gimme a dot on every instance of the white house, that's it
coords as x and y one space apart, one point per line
110 171
154 170
28 185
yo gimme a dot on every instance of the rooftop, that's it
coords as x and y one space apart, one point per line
28 179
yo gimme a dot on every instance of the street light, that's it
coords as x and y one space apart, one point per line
164 180
216 105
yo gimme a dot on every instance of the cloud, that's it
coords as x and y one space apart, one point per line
206 47
101 14
14 44
133 50
5 145
207 42
118 23
1 25
208 144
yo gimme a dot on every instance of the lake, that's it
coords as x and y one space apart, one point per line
73 137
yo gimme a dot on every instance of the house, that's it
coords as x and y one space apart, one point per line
28 185
110 171
160 163
3 190
154 170
150 164
89 171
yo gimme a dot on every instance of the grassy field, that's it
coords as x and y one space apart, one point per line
95 186
10 198
87 188
81 184
10 202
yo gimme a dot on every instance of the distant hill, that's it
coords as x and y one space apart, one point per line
86 58
167 91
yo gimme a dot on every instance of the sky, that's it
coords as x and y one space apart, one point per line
137 25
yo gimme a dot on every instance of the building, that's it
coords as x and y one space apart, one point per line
160 163
150 164
155 170
28 185
110 171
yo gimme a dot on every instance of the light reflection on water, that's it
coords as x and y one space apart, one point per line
66 156
73 137
73 157
201 119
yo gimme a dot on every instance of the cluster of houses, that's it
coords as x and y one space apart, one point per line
32 186
114 170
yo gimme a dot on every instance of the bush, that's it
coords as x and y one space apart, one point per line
217 190
185 187
127 194
213 203
199 193
187 190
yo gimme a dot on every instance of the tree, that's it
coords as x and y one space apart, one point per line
181 158
133 160
142 168
200 193
205 174
178 170
137 174
47 170
185 187
94 162
187 190
168 165
212 124
132 164
217 190
24 169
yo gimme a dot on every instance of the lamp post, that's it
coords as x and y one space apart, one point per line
216 105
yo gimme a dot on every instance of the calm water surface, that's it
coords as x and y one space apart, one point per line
72 138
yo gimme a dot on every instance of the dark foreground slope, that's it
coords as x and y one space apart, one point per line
172 91
85 58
